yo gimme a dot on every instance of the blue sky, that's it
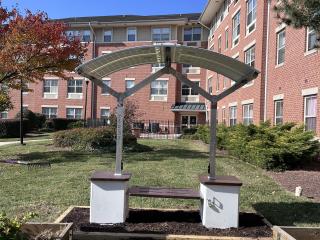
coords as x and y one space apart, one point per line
77 8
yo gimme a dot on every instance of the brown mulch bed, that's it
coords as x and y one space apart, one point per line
308 178
170 222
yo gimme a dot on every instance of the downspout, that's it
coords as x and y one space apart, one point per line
93 115
267 64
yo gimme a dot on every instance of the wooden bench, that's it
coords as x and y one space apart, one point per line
183 193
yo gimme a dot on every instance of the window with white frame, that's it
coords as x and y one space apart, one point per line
249 56
219 44
159 90
310 113
86 36
210 85
247 114
129 83
227 39
188 121
4 115
160 34
224 117
236 29
74 113
188 94
278 112
50 112
50 88
107 36
192 34
132 34
225 82
251 15
189 69
281 45
105 113
75 88
157 66
104 90
311 39
233 115
218 83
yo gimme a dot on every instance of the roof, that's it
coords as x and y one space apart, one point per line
188 107
210 11
105 65
130 18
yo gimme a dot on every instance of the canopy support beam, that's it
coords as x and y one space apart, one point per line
119 147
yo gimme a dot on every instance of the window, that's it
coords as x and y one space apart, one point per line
132 34
247 114
189 69
218 83
251 15
86 36
75 89
159 90
219 44
225 82
49 112
210 85
105 113
278 112
160 34
188 94
310 113
224 119
281 43
249 56
104 90
188 121
233 115
74 113
236 29
158 66
227 39
129 84
50 88
4 115
311 39
192 34
107 36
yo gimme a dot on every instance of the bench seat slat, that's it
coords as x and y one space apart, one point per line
183 193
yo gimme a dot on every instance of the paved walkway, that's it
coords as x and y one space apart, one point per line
26 141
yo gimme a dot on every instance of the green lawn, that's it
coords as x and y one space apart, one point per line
29 136
49 192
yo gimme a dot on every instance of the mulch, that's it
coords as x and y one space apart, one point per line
170 222
308 178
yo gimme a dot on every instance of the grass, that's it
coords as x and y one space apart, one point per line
49 192
29 136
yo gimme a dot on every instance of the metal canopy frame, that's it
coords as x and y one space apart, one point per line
105 65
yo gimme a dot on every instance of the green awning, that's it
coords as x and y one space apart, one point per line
188 107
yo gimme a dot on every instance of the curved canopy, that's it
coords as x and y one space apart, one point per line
107 64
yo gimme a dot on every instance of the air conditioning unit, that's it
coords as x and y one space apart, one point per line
75 95
50 95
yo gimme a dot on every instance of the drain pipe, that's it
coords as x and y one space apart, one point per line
93 116
267 65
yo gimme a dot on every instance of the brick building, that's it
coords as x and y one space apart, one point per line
164 100
287 88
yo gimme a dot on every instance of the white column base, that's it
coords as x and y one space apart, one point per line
220 202
109 198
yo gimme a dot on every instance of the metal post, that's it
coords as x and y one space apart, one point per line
21 113
213 139
86 103
120 117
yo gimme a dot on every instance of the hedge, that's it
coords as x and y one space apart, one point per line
270 147
58 124
91 139
36 120
11 128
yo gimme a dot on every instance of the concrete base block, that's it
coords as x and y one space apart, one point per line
109 198
220 202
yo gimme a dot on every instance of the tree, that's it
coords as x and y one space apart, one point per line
300 13
5 103
31 46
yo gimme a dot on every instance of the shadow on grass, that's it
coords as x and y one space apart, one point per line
290 213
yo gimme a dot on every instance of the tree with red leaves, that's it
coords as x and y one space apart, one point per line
32 45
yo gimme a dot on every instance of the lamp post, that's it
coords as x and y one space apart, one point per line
21 112
86 102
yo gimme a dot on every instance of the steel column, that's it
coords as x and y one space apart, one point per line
119 148
213 140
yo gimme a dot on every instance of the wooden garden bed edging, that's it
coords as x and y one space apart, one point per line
296 233
63 230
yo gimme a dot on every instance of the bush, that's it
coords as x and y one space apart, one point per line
189 131
270 147
11 128
36 120
91 139
78 124
58 124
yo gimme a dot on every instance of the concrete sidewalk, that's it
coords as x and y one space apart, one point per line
17 142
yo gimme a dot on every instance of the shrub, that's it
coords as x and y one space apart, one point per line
58 124
90 139
189 131
77 124
11 128
36 120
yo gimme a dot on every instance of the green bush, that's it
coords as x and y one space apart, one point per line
78 124
11 128
189 131
91 139
270 147
36 120
58 124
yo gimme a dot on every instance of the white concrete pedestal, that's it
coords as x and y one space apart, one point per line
109 198
220 202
